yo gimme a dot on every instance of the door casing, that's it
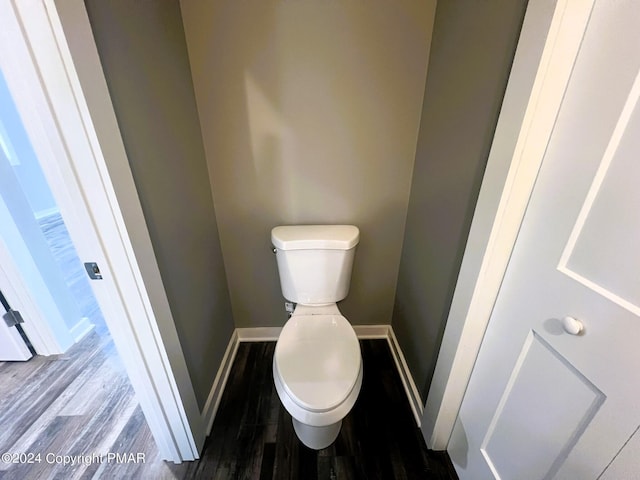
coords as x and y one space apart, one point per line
551 32
74 133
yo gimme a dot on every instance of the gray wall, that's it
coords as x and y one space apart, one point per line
143 53
471 53
310 114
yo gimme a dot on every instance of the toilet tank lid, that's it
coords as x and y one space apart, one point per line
311 237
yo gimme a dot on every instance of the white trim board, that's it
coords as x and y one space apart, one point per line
47 212
540 72
409 385
372 331
258 334
271 334
81 329
220 382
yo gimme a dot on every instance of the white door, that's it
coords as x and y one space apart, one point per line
12 346
543 401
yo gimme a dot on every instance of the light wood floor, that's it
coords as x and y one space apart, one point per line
79 403
73 404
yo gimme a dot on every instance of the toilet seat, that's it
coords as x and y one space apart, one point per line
317 359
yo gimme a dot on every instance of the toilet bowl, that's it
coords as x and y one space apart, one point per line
317 371
317 367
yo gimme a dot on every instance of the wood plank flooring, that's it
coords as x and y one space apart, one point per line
81 404
253 436
78 403
73 404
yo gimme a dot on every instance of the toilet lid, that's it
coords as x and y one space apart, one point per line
318 360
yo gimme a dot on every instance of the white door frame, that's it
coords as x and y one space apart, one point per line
83 159
534 92
12 296
20 298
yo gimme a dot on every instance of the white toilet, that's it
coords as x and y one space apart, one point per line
317 366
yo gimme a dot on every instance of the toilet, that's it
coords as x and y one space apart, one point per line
317 366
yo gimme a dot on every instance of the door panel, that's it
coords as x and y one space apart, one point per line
541 402
611 206
555 417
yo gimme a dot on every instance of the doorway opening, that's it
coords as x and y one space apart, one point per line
73 397
38 243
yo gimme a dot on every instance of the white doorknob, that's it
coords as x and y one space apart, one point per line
572 326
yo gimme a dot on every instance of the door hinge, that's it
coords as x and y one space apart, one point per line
93 270
12 318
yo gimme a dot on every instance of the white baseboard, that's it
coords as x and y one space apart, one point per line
46 212
81 329
371 331
259 334
215 395
270 334
410 388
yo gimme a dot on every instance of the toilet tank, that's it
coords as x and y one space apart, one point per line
315 261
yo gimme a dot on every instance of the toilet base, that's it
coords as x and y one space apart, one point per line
316 438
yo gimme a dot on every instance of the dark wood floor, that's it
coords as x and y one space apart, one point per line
253 437
82 403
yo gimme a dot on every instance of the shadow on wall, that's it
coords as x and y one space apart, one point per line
470 62
146 65
312 118
460 448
